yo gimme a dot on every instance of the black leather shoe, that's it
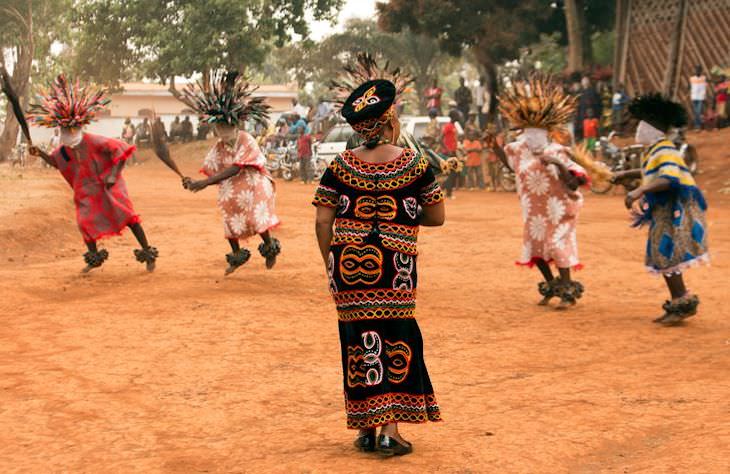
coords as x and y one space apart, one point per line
365 443
388 446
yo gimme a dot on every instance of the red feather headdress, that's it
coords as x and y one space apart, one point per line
68 104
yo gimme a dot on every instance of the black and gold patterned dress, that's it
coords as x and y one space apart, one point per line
373 279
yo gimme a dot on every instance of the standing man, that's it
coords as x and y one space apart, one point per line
721 90
463 98
698 93
589 99
481 100
433 97
618 106
304 150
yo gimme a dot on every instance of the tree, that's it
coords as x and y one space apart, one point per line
575 20
28 28
186 37
308 62
493 29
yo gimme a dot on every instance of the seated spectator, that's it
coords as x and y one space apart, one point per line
186 132
175 130
203 129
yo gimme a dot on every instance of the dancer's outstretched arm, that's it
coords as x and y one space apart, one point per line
656 186
571 181
230 172
628 175
35 151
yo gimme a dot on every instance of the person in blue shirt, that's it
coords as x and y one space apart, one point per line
296 123
618 106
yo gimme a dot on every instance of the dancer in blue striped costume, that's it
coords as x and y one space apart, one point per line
670 202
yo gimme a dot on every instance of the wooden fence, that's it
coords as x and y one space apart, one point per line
659 43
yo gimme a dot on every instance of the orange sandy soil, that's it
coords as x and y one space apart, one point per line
186 371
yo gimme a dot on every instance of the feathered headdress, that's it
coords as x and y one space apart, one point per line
227 99
68 104
538 104
658 111
364 69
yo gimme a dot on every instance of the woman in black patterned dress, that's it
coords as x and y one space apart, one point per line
370 204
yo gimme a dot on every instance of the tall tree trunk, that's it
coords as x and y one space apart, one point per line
481 53
20 79
575 24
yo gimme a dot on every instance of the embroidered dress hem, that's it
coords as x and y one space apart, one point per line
695 262
242 236
392 407
535 260
136 219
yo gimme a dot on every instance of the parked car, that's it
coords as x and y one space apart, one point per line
417 125
332 144
335 140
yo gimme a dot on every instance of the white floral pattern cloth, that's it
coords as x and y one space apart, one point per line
247 200
549 208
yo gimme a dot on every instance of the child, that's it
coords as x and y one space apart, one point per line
590 130
493 164
671 204
473 148
92 166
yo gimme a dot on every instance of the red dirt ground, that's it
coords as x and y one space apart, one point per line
186 371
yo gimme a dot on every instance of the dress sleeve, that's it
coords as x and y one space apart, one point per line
574 168
119 150
327 194
669 166
429 190
248 153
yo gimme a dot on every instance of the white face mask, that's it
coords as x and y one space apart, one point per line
536 139
225 132
71 137
648 135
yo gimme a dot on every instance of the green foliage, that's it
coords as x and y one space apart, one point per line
549 54
603 43
116 39
315 64
497 29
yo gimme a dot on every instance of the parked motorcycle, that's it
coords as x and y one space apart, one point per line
618 159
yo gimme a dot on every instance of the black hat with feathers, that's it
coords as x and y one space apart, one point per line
228 98
658 111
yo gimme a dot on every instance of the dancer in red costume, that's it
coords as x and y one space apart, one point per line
92 166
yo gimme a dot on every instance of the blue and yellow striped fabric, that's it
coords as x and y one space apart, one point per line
663 160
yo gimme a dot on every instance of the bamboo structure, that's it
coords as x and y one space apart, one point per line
659 43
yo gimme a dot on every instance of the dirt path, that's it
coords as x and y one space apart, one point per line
185 371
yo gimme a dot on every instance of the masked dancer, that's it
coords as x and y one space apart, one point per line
92 166
370 204
236 164
669 202
547 185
